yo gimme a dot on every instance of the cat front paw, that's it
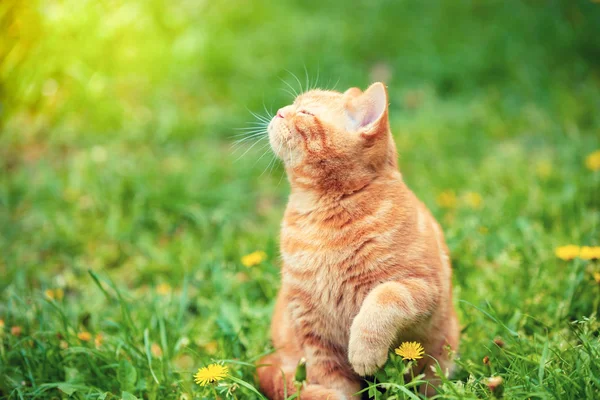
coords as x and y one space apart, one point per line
366 358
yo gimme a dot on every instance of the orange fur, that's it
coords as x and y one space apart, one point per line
365 265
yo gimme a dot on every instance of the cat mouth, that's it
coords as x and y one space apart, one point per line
279 129
280 137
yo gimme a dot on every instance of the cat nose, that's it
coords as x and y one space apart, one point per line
283 112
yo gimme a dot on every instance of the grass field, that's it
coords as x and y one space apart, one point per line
125 211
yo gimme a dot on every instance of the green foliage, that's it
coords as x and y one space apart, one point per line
119 184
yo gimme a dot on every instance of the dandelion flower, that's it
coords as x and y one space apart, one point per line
253 259
543 169
473 199
592 161
98 154
163 289
212 373
1 323
597 277
156 350
84 336
568 252
210 347
56 294
446 199
410 351
98 340
590 253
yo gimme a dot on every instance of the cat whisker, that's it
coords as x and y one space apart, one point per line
246 132
336 83
270 115
288 92
253 124
239 144
307 79
297 80
267 167
253 136
259 117
295 94
247 135
292 95
281 177
316 84
264 153
273 160
249 148
259 129
289 148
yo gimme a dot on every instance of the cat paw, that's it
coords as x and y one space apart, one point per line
318 392
365 358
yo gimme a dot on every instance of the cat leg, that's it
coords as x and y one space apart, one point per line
327 369
389 308
276 377
328 376
277 383
442 347
320 392
276 371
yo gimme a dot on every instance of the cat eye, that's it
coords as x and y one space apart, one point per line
305 112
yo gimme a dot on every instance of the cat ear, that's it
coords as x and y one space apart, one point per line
368 111
374 105
352 93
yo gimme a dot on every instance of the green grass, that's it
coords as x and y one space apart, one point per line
117 176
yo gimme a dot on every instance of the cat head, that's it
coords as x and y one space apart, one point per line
334 141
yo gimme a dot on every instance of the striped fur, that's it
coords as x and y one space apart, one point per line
365 264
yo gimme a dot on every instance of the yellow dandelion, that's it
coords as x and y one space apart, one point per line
592 161
184 361
163 289
446 199
410 351
473 199
568 252
253 259
543 169
211 347
54 294
1 324
84 336
597 277
589 253
211 374
156 350
98 340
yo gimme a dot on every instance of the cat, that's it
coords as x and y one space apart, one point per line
365 264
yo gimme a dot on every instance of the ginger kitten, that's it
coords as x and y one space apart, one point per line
365 264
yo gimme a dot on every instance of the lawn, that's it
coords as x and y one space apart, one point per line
126 206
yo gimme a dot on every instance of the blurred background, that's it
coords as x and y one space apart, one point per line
126 207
